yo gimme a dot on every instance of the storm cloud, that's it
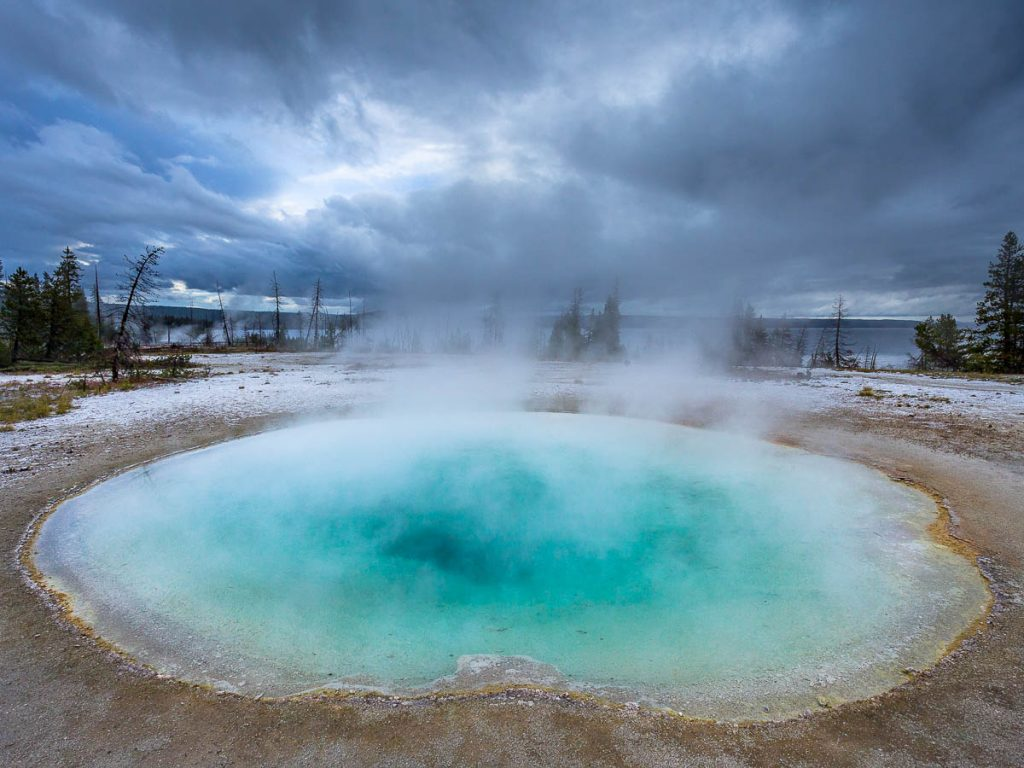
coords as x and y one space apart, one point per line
693 152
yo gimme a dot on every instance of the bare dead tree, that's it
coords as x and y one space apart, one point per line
137 284
96 300
224 318
841 357
277 310
838 310
314 318
871 357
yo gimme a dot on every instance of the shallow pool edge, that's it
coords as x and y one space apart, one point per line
940 532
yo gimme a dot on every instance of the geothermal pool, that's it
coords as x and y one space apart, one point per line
709 573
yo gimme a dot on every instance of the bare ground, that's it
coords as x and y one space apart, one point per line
64 701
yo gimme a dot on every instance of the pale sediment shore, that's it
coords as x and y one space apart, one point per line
65 701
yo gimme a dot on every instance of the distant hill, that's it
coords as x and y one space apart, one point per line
201 314
661 321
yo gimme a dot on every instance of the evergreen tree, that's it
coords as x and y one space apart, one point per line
69 330
5 352
494 323
81 337
999 337
782 347
567 340
22 315
605 333
596 337
754 344
799 348
51 316
940 343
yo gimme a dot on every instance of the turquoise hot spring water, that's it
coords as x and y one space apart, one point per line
704 572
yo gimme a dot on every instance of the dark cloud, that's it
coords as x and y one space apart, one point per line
260 54
782 151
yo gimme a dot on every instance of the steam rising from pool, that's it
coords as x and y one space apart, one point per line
709 573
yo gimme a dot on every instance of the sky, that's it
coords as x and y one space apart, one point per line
693 153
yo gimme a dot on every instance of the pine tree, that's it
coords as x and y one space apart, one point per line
5 352
53 316
69 331
22 316
999 337
607 326
80 337
494 323
754 344
567 340
940 343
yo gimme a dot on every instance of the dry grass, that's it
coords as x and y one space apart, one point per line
87 386
26 407
64 403
26 402
871 392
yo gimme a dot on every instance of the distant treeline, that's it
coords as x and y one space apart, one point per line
160 324
994 345
50 319
655 322
757 341
576 336
753 341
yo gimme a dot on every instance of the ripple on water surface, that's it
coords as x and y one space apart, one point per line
710 573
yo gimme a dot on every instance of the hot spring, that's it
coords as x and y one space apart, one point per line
637 561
